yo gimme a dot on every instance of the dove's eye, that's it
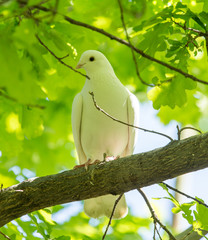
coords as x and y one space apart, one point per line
92 59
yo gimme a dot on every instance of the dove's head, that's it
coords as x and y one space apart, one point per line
94 61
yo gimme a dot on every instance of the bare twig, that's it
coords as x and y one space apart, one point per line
4 235
59 58
131 46
157 231
113 210
184 194
156 220
130 125
15 100
154 234
179 131
112 37
184 27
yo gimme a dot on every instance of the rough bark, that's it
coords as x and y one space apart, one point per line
113 177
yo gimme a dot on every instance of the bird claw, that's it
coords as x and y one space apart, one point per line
87 164
89 161
109 158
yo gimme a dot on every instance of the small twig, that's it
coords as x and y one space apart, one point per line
178 133
190 29
157 232
59 58
184 128
154 234
131 46
164 82
188 234
156 220
5 236
130 125
111 217
15 100
184 194
67 55
1 187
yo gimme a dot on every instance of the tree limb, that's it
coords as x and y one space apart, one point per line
155 218
114 177
113 37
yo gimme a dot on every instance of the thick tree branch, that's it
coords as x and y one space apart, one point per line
113 177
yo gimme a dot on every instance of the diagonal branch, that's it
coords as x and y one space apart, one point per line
131 46
113 177
156 220
5 236
112 37
186 195
60 59
15 100
111 216
127 124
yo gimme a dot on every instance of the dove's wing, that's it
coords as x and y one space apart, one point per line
77 108
133 118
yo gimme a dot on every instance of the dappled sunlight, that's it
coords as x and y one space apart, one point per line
102 22
12 123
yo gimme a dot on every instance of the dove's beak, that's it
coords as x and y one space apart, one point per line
80 65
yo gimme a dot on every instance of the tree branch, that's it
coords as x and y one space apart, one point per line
60 59
5 236
155 218
112 37
15 100
114 177
127 124
184 194
111 216
131 46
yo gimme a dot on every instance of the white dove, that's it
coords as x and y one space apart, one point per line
95 134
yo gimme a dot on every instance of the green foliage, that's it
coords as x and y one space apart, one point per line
39 225
194 212
36 90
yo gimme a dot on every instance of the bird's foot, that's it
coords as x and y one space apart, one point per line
87 164
109 158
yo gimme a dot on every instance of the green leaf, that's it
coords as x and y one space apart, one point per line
196 19
189 113
187 212
204 16
171 93
201 216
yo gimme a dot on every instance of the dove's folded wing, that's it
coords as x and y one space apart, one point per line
133 118
77 108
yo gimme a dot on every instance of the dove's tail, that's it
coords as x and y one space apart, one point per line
100 206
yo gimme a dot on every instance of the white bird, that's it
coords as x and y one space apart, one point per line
96 134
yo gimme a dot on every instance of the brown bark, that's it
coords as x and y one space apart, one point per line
113 177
